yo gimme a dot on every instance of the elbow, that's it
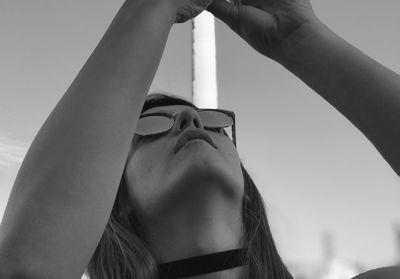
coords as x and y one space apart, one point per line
8 272
28 269
20 270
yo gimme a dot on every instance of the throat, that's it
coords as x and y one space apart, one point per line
184 232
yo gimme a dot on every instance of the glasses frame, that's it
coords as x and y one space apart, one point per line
171 116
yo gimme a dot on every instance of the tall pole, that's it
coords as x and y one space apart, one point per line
204 68
397 235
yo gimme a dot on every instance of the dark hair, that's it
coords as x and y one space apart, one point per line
123 253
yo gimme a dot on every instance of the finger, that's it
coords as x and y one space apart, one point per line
225 11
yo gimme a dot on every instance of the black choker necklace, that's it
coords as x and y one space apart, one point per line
202 264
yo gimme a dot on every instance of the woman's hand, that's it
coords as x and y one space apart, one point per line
264 24
187 9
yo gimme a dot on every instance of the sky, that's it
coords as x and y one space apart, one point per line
317 173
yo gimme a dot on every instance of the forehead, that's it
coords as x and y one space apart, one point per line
168 109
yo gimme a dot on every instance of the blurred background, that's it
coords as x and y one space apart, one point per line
332 200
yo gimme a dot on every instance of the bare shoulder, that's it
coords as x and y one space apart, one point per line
391 272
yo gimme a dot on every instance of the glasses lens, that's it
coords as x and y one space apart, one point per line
154 124
215 119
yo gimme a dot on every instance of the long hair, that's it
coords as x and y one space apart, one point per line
123 253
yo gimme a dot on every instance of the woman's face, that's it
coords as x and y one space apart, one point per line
158 179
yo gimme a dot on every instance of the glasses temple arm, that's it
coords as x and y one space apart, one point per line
234 131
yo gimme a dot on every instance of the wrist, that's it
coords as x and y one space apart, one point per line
157 9
301 39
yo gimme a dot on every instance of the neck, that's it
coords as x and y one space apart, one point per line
198 226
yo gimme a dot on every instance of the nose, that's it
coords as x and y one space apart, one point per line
187 118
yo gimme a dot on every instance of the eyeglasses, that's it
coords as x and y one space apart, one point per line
159 122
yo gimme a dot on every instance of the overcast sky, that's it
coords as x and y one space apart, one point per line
316 171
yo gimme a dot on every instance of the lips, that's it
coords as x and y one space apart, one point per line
193 134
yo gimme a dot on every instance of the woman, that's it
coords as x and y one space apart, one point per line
72 173
205 180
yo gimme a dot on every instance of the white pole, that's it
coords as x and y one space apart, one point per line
204 68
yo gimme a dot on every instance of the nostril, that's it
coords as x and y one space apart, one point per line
182 124
196 122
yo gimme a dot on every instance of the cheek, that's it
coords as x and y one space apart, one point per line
143 175
139 175
229 151
231 164
235 165
141 163
234 158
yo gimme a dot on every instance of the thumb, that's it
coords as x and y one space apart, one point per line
225 11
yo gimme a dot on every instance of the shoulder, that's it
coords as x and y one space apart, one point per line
391 272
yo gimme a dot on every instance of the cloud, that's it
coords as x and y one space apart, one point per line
12 152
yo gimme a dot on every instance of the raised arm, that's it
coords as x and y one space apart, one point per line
65 189
364 91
